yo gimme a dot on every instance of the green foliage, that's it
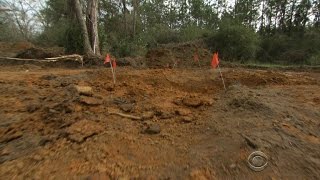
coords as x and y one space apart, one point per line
193 32
287 33
127 46
272 47
73 41
294 49
9 31
61 30
161 34
54 35
314 60
234 42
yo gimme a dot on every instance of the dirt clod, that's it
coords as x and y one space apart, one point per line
192 102
165 115
187 119
81 130
153 129
126 107
37 158
90 101
183 112
33 107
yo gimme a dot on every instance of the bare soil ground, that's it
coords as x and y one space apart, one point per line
190 128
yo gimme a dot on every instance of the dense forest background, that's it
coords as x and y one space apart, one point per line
261 31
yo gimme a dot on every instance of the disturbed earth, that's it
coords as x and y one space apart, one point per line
158 123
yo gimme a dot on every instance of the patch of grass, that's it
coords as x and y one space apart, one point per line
257 65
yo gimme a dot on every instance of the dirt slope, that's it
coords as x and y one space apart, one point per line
179 55
191 127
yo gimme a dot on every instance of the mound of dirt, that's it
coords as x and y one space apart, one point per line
178 55
39 53
136 62
240 97
10 49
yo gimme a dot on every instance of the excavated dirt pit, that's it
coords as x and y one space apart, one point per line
61 123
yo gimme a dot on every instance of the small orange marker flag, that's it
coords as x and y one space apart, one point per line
215 61
107 60
214 64
112 67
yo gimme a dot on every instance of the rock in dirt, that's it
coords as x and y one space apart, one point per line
52 111
81 130
187 119
90 101
177 101
126 107
192 102
147 115
183 112
84 90
165 115
37 157
153 129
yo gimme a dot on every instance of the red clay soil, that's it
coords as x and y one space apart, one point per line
190 128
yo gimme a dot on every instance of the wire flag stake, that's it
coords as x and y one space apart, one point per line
224 85
215 64
112 66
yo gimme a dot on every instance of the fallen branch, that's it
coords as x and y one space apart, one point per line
126 116
74 57
21 59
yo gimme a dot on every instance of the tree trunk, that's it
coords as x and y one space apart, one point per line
262 18
282 23
135 4
92 26
86 43
291 15
124 16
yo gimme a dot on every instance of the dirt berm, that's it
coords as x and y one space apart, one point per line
179 55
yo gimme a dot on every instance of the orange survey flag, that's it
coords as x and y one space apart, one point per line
107 60
215 61
114 63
